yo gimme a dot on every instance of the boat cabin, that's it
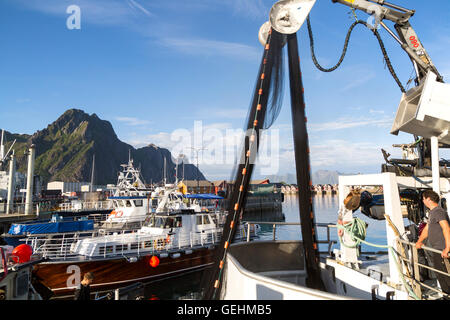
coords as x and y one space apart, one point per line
162 232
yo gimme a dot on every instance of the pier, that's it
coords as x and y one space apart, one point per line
316 189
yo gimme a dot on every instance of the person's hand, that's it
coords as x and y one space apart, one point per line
444 253
419 245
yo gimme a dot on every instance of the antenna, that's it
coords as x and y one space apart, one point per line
198 171
287 16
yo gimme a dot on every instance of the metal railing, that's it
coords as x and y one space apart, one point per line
123 243
40 207
411 267
85 206
274 225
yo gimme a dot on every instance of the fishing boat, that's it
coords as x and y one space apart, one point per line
297 270
176 237
393 270
170 243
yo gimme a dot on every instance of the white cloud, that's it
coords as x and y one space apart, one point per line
23 100
131 121
250 8
358 81
350 122
233 113
207 47
135 5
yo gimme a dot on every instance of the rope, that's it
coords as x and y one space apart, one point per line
357 230
344 50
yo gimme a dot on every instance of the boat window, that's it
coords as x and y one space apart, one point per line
169 223
157 222
122 203
105 249
138 203
148 244
154 203
121 247
178 223
205 219
199 220
134 246
115 203
128 203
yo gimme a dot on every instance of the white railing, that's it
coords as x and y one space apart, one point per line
85 206
124 243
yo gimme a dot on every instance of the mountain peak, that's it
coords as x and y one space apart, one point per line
66 148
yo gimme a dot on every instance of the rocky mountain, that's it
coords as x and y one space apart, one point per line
325 177
65 151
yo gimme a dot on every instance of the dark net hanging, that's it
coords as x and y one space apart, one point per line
264 109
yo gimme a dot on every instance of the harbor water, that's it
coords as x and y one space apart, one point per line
325 210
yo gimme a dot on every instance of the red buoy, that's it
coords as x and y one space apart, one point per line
22 253
154 261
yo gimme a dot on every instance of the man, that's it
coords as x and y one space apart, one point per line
437 231
83 291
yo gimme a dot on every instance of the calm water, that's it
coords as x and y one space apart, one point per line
325 210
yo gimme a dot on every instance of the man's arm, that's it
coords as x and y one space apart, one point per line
422 237
446 231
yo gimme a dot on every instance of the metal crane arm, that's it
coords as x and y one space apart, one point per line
407 37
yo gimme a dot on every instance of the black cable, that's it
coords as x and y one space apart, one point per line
344 51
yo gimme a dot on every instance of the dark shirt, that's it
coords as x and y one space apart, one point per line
435 234
83 292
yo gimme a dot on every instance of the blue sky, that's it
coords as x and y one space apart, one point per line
153 68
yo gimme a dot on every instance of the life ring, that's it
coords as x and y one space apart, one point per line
113 213
119 213
168 239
